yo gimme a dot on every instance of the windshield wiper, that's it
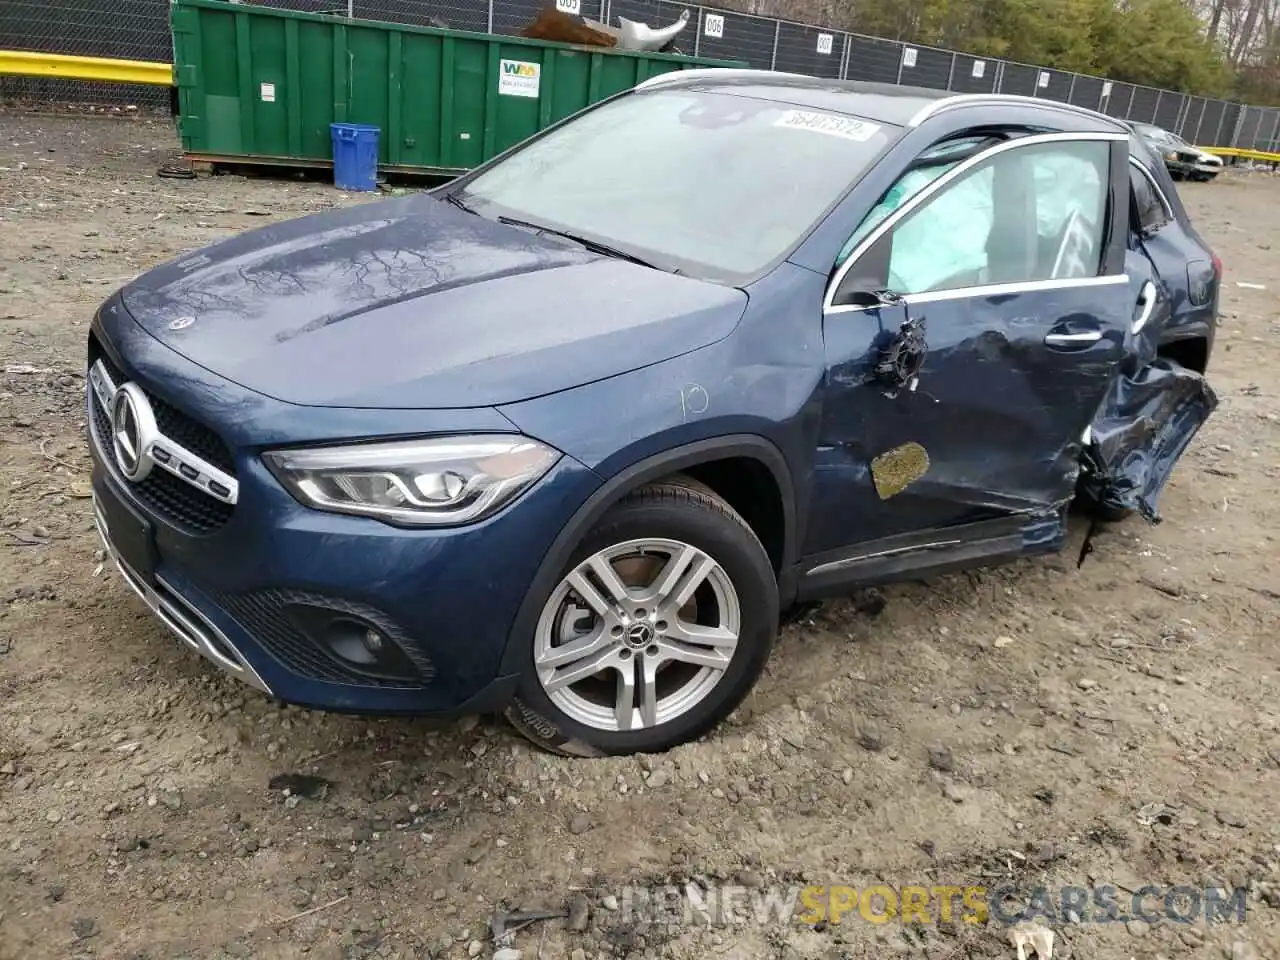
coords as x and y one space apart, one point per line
595 246
458 202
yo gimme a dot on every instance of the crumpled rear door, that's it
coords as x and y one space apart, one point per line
1145 423
1151 412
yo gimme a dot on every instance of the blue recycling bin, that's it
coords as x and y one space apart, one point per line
355 156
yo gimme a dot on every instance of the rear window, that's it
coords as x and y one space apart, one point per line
708 183
1149 212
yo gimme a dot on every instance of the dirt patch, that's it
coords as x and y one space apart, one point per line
1040 724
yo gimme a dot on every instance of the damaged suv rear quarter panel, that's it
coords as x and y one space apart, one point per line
1160 397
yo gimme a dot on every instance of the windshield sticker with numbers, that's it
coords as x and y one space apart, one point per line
831 124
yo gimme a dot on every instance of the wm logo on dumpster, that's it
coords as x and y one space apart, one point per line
519 78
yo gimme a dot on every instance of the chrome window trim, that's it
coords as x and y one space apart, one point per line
1009 289
178 456
992 290
935 187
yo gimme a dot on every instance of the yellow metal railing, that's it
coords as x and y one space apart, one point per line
24 63
1263 155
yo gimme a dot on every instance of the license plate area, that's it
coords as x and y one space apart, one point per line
129 534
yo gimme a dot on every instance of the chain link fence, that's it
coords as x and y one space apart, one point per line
139 30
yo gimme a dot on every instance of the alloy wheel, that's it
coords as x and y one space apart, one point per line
637 634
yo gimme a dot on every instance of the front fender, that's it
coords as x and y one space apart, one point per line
618 486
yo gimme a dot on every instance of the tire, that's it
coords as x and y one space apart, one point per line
688 520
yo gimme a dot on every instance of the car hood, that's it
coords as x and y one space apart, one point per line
413 302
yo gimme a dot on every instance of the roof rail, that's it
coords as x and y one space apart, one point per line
724 73
946 103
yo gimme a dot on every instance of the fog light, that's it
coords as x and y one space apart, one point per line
358 641
354 641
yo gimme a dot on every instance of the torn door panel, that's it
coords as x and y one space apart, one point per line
1144 424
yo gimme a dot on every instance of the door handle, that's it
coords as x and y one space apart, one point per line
1073 339
1146 307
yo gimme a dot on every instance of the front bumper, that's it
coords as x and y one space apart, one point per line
242 585
1190 165
185 620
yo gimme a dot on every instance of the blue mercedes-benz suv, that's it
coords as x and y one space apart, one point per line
565 437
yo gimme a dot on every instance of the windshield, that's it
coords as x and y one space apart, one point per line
1159 133
709 184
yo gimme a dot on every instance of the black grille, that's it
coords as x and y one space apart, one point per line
196 437
263 615
173 500
173 423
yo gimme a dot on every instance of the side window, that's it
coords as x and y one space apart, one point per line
1034 212
931 164
1147 211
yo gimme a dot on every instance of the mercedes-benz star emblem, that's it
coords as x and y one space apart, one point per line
639 634
181 323
133 431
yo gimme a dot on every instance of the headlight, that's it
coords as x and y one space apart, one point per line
1171 155
441 481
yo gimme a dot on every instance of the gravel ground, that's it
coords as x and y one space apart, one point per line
1042 724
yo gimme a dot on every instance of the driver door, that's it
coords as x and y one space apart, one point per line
1007 269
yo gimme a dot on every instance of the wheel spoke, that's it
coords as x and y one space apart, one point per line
575 649
721 638
585 589
676 564
649 691
583 668
613 585
682 575
688 653
624 707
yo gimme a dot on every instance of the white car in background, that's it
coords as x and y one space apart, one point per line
1183 160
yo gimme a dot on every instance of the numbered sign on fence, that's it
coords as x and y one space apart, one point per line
979 69
569 6
825 40
713 25
908 56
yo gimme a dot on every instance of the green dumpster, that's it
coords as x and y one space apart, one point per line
259 85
